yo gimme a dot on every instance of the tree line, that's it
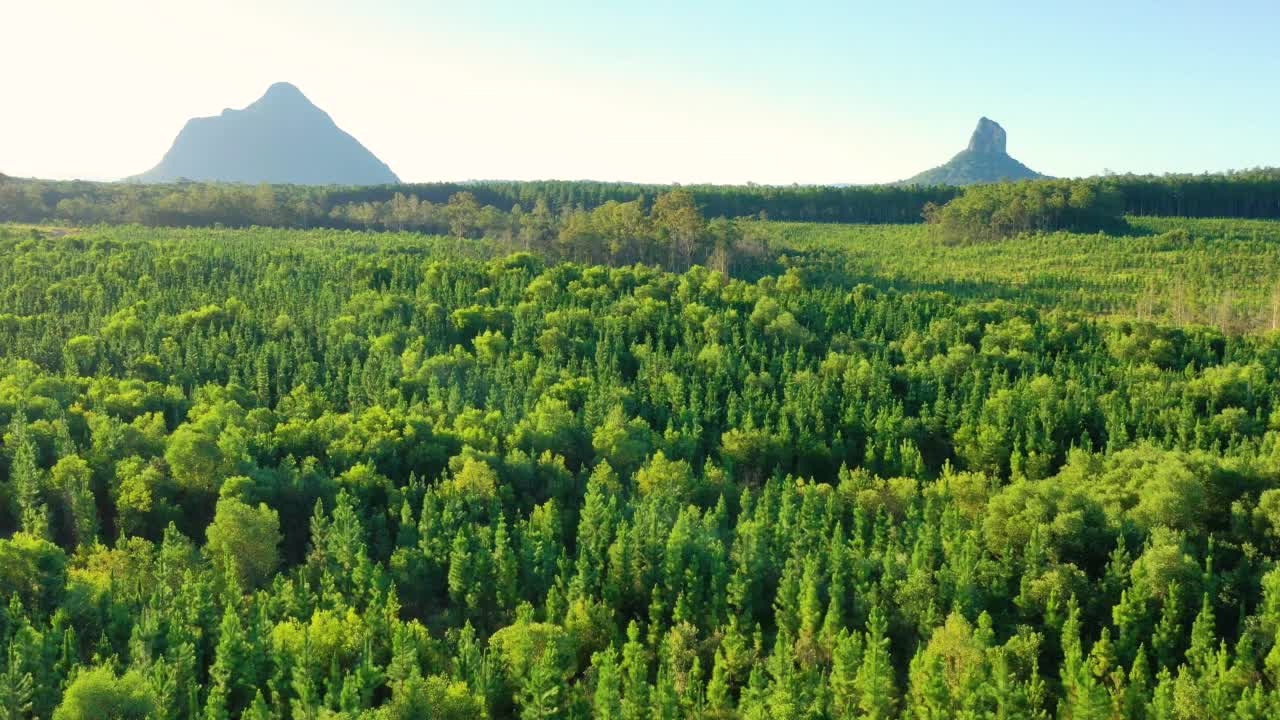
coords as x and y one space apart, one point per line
202 204
671 231
1244 194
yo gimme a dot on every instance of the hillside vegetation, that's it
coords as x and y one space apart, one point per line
967 166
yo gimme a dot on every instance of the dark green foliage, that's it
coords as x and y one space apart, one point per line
1000 210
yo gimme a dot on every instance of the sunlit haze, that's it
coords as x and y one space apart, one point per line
725 92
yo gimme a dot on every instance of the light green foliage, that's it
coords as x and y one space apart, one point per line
99 694
475 479
623 443
527 648
244 539
196 457
434 697
32 569
665 478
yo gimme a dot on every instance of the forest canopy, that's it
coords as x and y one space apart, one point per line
278 473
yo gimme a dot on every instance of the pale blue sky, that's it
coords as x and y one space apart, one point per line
802 92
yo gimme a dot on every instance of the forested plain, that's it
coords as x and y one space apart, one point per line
637 458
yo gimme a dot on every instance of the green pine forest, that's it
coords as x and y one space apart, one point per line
558 450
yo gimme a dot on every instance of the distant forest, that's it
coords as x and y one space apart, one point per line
1244 194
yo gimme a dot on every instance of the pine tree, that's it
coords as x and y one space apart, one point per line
833 620
635 677
846 663
407 531
345 541
1082 697
877 691
24 476
258 709
359 685
16 690
930 694
542 694
719 698
461 575
404 653
596 527
693 694
1163 705
1138 689
1203 638
306 703
754 705
228 688
785 698
606 701
808 648
80 498
506 568
1167 638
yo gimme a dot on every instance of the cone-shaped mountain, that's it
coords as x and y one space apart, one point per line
281 138
985 160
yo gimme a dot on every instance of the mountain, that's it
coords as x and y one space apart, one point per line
985 160
280 138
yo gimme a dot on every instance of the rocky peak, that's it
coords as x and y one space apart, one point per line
283 89
283 96
988 138
985 160
282 137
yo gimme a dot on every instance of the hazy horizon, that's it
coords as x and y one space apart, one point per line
818 93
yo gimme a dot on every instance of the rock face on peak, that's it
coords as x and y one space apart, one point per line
984 160
988 137
281 138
